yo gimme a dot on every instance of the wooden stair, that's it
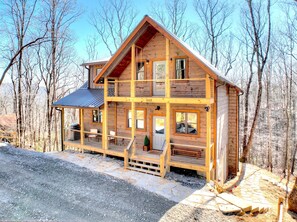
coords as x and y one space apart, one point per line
145 166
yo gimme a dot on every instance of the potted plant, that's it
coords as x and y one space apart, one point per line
146 144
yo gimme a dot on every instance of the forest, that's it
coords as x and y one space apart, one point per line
253 43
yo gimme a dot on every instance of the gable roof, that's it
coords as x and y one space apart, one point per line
147 28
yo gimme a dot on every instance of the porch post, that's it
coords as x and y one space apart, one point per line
82 135
167 77
133 112
168 127
132 94
62 128
208 130
105 116
133 72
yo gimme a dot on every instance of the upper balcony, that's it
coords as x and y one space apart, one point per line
150 90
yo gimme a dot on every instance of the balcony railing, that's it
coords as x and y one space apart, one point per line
179 88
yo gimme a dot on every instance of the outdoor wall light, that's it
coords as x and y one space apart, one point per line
207 108
147 61
158 108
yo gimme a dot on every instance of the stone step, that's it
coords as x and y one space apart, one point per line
238 202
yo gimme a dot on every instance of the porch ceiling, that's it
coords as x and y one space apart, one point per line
140 42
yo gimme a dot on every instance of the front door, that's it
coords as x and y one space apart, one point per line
159 72
159 127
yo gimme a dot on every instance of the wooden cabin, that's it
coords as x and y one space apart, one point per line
156 86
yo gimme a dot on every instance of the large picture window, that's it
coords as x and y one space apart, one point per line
140 70
180 68
140 119
186 122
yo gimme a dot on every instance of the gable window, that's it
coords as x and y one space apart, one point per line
139 120
180 68
140 71
97 116
186 122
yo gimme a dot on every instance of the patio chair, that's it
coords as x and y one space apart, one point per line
93 135
111 137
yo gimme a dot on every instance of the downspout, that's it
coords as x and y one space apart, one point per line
61 131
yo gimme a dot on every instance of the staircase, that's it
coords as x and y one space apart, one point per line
144 165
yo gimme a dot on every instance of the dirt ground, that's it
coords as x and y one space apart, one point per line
35 186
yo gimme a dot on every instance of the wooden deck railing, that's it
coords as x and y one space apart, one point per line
144 89
163 158
127 152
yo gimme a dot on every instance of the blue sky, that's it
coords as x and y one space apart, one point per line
82 28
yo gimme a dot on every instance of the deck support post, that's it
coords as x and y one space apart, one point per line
208 130
62 128
133 120
105 120
82 128
168 127
167 76
132 95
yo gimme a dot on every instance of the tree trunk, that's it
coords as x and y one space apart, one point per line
292 199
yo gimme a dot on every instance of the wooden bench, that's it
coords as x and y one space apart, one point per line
186 151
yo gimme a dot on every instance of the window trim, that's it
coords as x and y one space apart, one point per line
186 66
144 119
198 122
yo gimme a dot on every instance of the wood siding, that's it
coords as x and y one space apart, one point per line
233 132
222 133
155 51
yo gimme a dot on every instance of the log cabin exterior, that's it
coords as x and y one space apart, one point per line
157 86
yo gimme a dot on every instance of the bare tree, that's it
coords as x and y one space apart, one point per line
213 15
257 25
54 57
113 21
172 15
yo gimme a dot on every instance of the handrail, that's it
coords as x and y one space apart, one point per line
130 144
163 159
126 152
157 80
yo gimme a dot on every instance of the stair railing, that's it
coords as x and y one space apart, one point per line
163 158
127 152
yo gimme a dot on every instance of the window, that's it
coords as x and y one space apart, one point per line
186 123
97 116
140 71
140 119
180 68
98 70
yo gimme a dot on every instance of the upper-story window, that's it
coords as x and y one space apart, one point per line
180 68
98 70
140 69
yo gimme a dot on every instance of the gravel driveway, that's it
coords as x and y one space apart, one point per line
37 187
34 186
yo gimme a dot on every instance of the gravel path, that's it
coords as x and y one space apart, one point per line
37 187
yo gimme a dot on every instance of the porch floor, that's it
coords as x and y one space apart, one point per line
179 161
